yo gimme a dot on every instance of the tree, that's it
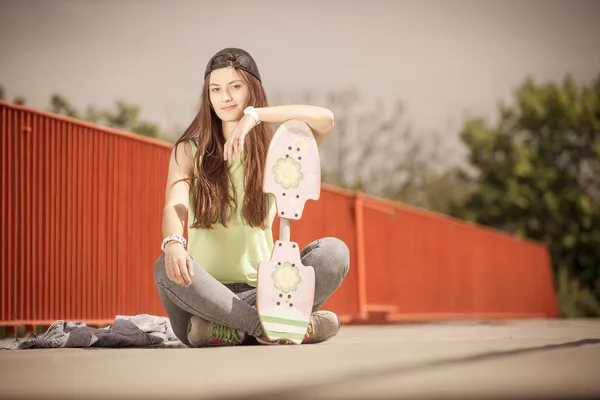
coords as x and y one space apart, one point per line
126 117
20 100
374 148
539 177
60 105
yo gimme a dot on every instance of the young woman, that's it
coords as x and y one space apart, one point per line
208 286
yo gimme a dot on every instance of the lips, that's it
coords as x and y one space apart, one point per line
228 108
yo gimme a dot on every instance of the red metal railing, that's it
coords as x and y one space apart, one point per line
81 217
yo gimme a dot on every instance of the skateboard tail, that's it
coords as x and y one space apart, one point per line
290 323
278 328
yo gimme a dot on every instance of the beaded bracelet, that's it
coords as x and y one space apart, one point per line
171 238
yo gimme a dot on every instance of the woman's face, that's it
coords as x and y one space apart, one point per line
228 94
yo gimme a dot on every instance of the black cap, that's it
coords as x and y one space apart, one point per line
242 60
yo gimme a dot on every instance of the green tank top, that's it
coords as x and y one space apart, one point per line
231 254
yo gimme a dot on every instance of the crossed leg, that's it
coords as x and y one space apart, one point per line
212 301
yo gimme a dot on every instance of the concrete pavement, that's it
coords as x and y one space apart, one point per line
501 359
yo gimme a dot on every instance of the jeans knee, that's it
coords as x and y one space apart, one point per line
338 254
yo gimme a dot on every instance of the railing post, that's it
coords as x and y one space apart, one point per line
360 256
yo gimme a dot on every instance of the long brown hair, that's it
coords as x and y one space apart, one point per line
211 199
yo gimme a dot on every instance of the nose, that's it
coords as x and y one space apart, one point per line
226 96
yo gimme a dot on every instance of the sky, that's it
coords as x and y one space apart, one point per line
445 60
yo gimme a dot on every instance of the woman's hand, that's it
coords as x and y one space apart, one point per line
235 143
178 264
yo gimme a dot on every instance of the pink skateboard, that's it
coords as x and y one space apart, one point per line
286 288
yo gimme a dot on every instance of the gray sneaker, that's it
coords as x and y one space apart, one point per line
202 333
323 326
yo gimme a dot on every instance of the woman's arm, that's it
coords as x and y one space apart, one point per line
177 193
319 119
178 264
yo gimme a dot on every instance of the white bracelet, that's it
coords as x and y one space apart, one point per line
171 238
251 111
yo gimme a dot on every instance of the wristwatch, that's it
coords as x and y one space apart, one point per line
251 111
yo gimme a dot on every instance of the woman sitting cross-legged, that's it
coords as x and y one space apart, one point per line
208 285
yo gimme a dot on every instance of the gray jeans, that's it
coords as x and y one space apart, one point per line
233 305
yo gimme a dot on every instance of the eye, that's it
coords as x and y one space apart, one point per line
214 89
237 86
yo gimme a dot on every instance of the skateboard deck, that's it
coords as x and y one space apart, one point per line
286 294
293 169
286 287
